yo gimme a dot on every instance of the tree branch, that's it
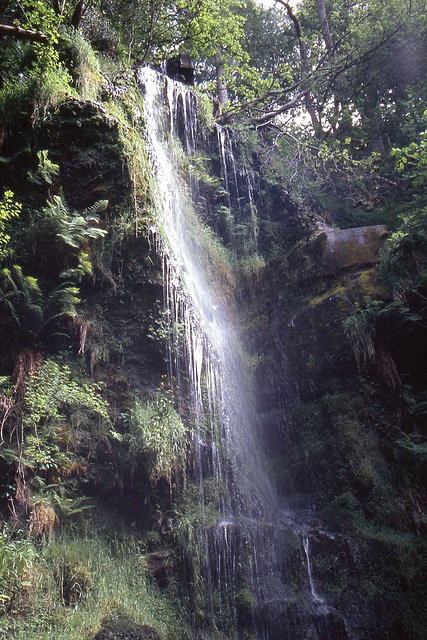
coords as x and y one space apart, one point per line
270 115
23 34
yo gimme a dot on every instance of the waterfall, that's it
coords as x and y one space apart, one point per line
248 562
226 452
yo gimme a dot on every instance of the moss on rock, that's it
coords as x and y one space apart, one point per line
121 628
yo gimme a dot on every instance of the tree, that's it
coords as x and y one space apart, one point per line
341 53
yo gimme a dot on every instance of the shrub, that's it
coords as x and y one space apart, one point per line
9 209
156 430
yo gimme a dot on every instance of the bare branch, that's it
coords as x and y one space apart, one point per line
270 115
23 34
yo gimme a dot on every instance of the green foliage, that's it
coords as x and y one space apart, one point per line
83 63
17 555
205 111
28 310
375 320
75 230
127 112
157 431
216 29
9 209
43 454
27 307
80 582
52 396
21 299
58 503
56 409
404 266
245 602
162 329
14 100
412 160
24 305
46 170
37 81
52 391
194 519
50 89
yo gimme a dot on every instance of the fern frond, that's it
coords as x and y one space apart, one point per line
97 207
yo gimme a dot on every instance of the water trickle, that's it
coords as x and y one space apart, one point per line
316 598
252 206
238 179
222 140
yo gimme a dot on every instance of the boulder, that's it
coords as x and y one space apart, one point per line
116 627
161 566
344 249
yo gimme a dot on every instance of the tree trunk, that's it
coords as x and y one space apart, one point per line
309 103
324 25
78 14
220 86
330 48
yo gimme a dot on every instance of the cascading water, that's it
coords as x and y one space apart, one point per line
220 390
244 546
239 181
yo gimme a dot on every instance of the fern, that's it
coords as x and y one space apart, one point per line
73 228
52 395
46 170
9 209
25 307
76 230
21 299
60 303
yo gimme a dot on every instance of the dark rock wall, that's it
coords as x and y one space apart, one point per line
329 431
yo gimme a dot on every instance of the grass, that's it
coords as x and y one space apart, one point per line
77 583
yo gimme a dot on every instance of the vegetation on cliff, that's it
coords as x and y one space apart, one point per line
326 108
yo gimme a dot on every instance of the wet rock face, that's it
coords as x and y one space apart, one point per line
162 567
329 433
296 620
85 142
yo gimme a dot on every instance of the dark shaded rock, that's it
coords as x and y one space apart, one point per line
85 141
181 68
161 566
289 620
118 627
